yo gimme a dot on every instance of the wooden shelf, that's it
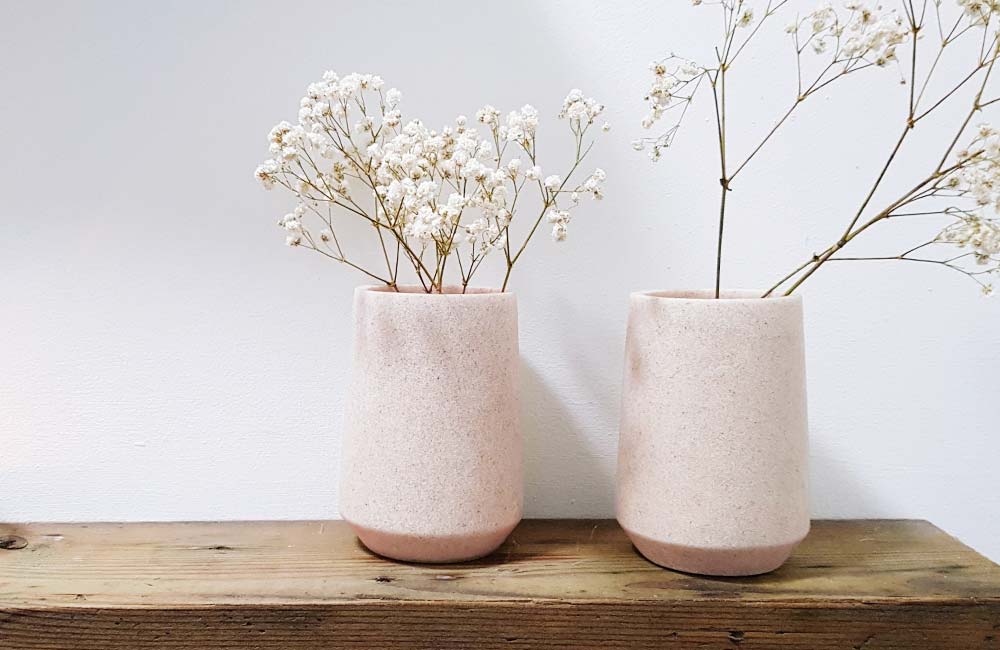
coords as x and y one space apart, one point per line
568 584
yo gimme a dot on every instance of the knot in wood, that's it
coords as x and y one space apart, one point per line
12 543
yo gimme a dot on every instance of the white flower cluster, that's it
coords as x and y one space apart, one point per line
292 223
670 86
675 80
977 177
415 166
868 33
520 125
981 236
433 190
978 169
579 110
560 218
745 19
979 12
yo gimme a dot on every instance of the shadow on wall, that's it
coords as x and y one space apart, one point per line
563 474
833 488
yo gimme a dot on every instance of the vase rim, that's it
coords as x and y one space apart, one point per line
452 291
727 296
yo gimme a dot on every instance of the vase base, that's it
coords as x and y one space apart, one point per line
732 562
431 549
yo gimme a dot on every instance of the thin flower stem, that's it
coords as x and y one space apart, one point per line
920 260
767 294
763 142
919 191
547 203
948 95
718 94
878 180
718 250
717 79
915 30
312 246
926 213
818 260
768 12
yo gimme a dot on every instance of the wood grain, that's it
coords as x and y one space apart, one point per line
570 584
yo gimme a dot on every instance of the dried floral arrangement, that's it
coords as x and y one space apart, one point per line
960 185
430 196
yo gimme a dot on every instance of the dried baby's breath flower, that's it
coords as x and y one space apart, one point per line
434 194
979 12
831 42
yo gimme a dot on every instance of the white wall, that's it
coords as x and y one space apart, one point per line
164 356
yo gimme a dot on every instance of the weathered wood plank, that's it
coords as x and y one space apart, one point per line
570 584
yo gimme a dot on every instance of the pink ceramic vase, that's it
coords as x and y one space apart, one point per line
432 454
712 464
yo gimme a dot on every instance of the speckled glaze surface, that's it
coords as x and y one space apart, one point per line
432 452
713 452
